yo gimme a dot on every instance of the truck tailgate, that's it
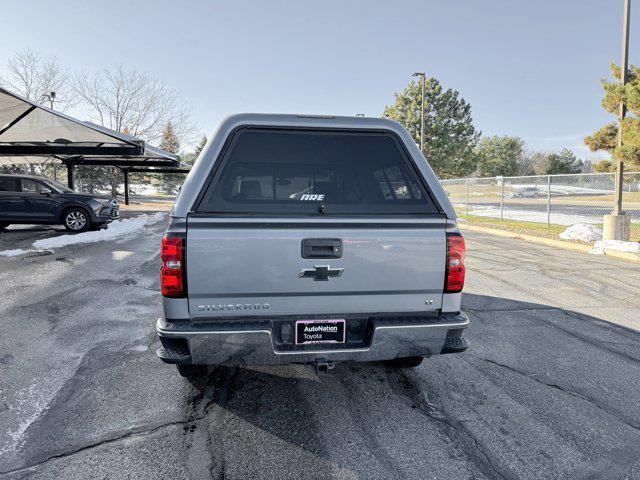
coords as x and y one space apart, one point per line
249 267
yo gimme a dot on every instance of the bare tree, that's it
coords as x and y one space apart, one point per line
135 103
32 76
128 100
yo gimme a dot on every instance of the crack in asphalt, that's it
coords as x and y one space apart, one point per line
456 431
215 389
594 343
358 412
200 405
563 389
611 290
578 316
136 431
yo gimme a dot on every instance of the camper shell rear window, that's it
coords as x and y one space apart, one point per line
307 172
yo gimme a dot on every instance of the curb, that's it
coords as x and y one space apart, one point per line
550 242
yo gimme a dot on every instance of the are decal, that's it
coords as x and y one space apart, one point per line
312 196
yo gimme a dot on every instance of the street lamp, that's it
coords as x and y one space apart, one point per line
423 78
51 96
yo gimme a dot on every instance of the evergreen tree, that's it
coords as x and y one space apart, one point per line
169 182
190 157
499 156
449 132
606 137
199 147
563 162
604 166
169 141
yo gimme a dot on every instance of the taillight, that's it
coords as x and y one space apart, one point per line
172 273
455 263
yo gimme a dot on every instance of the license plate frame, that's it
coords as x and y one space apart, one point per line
318 329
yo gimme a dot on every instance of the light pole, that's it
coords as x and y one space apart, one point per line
617 225
51 96
423 78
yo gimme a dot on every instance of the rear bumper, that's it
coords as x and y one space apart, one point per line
252 342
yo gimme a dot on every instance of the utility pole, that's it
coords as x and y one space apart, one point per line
617 226
423 79
624 66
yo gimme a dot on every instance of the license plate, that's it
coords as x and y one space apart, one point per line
320 331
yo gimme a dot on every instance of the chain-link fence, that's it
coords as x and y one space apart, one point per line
98 180
547 199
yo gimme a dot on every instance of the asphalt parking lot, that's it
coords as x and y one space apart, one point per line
550 387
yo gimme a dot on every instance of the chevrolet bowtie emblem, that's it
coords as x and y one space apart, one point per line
321 272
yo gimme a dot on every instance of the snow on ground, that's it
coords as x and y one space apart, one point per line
12 253
115 230
563 189
600 247
533 216
583 232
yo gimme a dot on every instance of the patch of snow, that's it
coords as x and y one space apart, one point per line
30 251
583 232
12 253
618 245
120 254
533 216
115 230
563 189
140 348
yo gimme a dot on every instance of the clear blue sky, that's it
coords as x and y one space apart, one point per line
528 68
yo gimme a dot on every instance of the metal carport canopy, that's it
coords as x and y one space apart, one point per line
29 132
27 128
33 133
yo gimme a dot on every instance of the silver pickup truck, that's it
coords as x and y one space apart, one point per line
310 239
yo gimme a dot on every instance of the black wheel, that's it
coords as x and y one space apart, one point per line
535 195
76 220
405 362
192 371
3 225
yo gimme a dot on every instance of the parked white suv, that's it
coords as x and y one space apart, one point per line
310 239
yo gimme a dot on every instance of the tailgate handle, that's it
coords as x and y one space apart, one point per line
321 248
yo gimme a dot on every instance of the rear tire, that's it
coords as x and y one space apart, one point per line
192 371
405 362
76 220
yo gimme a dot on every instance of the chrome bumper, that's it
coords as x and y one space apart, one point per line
251 343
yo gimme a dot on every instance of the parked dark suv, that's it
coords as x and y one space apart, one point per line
37 200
